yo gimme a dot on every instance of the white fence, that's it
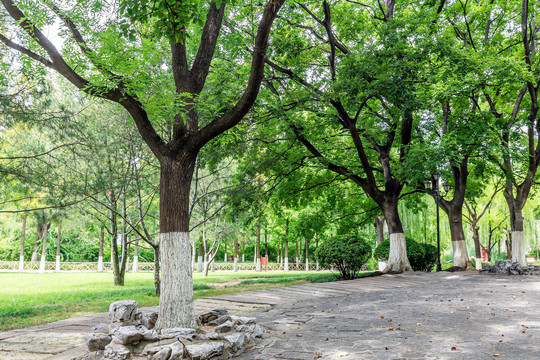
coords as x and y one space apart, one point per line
142 267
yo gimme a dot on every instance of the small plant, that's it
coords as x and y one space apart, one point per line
422 257
346 253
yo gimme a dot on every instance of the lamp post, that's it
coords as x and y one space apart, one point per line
433 185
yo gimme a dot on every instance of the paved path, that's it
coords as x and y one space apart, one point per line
411 316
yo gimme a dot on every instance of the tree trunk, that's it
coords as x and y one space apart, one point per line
286 256
307 254
44 250
515 205
135 266
58 241
176 292
100 256
236 245
379 226
455 217
21 254
258 246
157 281
243 251
397 259
316 247
266 243
297 258
225 252
477 249
200 258
39 234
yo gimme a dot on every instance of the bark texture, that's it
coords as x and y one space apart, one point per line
176 279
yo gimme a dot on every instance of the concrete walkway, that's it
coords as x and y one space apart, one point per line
411 316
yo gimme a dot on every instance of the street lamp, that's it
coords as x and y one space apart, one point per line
433 185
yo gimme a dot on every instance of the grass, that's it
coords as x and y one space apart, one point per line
30 299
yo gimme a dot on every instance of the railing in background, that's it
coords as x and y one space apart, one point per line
143 267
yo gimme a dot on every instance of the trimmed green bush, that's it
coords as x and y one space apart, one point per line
347 253
421 256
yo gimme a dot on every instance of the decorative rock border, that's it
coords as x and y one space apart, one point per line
509 268
131 335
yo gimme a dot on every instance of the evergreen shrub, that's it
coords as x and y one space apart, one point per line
347 253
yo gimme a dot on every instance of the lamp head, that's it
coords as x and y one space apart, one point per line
446 186
428 185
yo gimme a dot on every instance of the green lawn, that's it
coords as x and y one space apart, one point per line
30 299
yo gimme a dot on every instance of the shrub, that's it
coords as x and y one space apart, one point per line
422 257
348 253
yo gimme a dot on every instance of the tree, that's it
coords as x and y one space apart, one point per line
176 149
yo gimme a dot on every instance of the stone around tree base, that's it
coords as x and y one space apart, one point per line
509 268
127 337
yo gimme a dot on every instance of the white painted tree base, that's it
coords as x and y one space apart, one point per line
518 248
258 265
135 266
382 265
100 264
235 266
57 267
200 264
286 266
397 260
21 263
42 264
307 266
461 258
176 298
478 263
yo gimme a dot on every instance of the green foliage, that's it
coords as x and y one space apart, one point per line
348 253
421 256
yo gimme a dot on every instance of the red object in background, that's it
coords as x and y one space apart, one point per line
264 262
484 256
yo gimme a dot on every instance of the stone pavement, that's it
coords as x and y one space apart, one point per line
412 316
408 316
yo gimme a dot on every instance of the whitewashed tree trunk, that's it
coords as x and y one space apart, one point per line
135 266
43 251
397 260
518 248
243 258
478 263
57 265
317 268
176 278
21 253
200 263
461 258
286 266
100 263
235 267
258 266
307 265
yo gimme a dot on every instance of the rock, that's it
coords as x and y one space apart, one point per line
236 340
155 347
100 328
150 335
178 350
97 341
149 320
205 351
505 267
210 336
184 333
225 327
220 320
255 329
211 316
127 334
243 320
116 352
163 354
123 312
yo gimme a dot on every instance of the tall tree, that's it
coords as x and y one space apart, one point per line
89 61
